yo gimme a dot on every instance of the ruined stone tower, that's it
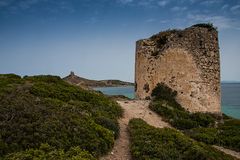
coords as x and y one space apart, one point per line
185 60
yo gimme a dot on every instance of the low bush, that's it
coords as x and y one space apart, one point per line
45 109
9 82
109 124
209 26
180 118
28 123
44 78
208 128
150 143
226 135
66 92
162 91
46 152
164 103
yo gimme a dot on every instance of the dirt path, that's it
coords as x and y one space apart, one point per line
132 109
139 109
228 151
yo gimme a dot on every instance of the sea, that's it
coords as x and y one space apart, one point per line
230 96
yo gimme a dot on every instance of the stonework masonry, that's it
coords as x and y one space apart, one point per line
187 61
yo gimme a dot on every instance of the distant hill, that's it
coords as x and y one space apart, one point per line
87 83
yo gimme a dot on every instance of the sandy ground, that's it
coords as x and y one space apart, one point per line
139 109
132 109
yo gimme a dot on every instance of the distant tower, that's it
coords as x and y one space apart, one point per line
72 73
185 60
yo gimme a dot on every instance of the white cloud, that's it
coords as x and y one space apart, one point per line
23 4
162 3
92 20
4 3
178 9
235 9
145 3
125 1
27 3
221 22
66 6
188 1
225 6
150 20
164 21
211 2
193 1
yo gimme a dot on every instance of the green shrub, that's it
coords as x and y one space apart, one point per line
178 117
205 25
232 123
8 83
45 109
109 124
203 119
206 135
162 91
44 78
28 123
10 77
150 143
184 123
225 117
197 125
66 92
164 103
226 135
49 153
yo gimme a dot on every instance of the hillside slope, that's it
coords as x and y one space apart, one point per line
87 83
43 117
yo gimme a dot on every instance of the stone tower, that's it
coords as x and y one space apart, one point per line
185 60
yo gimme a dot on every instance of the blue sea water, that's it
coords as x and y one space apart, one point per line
230 96
127 91
231 99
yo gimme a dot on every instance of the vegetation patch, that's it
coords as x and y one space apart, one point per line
164 103
162 91
46 152
150 143
179 117
161 38
209 26
46 110
226 134
9 82
205 127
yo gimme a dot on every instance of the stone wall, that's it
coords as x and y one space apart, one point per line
187 61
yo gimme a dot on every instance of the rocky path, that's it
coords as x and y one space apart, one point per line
132 109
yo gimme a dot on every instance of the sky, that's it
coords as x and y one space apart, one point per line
96 38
